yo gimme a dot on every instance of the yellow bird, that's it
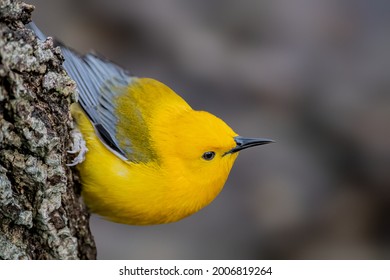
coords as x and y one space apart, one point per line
151 158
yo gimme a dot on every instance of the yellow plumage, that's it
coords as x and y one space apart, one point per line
151 158
177 182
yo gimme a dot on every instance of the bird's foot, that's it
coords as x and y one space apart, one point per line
79 147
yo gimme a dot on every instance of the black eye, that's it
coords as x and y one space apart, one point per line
208 155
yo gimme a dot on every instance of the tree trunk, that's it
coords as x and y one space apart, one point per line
41 213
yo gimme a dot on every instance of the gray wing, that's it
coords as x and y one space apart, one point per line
96 80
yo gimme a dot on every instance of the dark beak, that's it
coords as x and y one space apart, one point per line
243 143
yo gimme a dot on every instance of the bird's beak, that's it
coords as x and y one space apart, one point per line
243 143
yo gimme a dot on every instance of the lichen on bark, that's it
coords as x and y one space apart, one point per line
41 214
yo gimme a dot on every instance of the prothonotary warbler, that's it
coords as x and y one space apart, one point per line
150 157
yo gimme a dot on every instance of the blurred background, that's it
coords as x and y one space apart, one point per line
312 74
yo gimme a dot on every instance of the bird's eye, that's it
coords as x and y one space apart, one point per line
208 155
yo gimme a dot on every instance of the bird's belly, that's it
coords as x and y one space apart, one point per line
130 193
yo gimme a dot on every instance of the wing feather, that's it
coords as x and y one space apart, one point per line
100 82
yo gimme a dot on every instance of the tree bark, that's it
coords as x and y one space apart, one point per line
41 213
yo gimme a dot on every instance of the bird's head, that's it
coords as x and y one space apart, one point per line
202 148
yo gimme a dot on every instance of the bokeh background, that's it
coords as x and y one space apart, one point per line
312 74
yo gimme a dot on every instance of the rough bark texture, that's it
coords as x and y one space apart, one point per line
41 215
